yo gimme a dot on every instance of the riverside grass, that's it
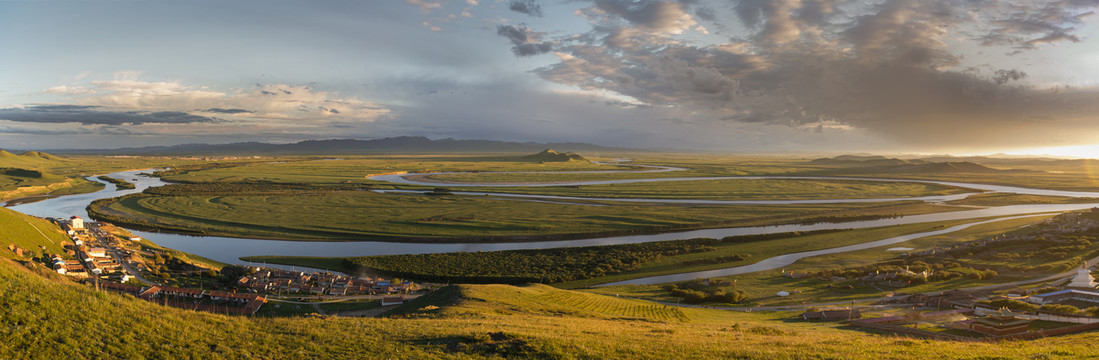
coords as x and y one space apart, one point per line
743 189
761 287
363 215
406 217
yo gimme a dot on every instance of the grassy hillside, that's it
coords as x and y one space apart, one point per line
29 160
41 318
29 233
31 173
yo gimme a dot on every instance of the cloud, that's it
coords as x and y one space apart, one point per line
261 101
425 6
525 42
885 67
651 15
528 7
228 111
89 115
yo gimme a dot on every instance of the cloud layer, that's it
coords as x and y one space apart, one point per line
889 67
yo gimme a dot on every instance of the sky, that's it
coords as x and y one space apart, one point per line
749 76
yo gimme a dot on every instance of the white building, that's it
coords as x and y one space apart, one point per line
1083 280
76 222
97 252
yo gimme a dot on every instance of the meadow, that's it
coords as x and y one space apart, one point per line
742 189
34 175
365 215
804 285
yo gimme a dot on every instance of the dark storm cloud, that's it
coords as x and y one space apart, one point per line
525 43
651 15
528 7
56 114
229 111
28 131
884 67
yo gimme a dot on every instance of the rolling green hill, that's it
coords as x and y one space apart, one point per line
29 160
550 155
33 174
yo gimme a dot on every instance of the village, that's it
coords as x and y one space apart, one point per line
120 264
1047 306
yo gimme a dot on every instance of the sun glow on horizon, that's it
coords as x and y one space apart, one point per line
1079 151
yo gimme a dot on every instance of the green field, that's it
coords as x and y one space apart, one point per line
747 189
622 262
761 287
357 168
34 175
361 215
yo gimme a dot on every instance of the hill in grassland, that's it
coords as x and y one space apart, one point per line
39 155
47 318
952 167
28 160
550 155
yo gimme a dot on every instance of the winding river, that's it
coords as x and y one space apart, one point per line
229 250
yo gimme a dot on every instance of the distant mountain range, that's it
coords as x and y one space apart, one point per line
402 144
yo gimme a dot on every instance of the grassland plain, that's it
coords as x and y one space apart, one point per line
716 254
364 215
40 319
1075 175
743 189
34 175
356 168
761 287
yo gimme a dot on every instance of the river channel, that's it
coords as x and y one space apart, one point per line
229 250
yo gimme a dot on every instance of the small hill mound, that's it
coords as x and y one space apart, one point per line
534 299
5 154
858 160
952 167
39 155
550 155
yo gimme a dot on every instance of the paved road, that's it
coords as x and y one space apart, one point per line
130 269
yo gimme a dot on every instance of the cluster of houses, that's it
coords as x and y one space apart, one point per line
193 299
982 318
87 261
275 280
